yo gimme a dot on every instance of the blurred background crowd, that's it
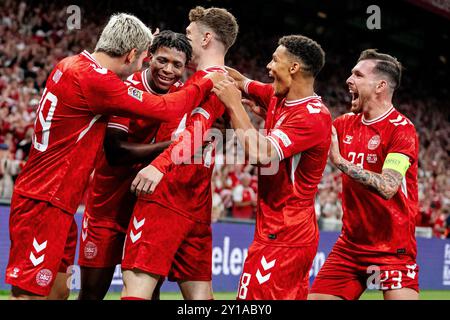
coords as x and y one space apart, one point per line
34 39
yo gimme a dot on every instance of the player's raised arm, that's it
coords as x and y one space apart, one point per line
182 150
112 96
257 91
256 145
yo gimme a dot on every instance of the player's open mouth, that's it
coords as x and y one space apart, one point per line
355 95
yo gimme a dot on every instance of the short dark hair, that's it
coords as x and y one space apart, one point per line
307 50
170 39
386 64
221 21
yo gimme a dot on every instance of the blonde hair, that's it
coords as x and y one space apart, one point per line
122 33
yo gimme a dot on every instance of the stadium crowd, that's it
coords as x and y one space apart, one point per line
33 41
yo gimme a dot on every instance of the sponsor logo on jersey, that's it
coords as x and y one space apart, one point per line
348 139
374 142
282 136
135 93
372 158
90 250
44 277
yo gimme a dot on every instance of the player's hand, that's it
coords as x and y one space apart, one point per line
335 154
146 180
258 110
238 77
216 77
228 93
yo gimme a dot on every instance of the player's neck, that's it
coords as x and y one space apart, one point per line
107 62
376 108
300 90
209 59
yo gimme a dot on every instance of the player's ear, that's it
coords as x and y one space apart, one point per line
131 56
294 68
381 86
207 37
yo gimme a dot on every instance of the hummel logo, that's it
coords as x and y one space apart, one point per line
266 266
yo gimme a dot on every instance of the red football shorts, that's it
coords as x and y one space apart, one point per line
347 274
43 243
162 242
276 273
101 241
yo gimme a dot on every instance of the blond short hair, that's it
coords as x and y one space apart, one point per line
122 33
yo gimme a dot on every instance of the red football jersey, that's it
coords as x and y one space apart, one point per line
186 188
371 223
109 191
300 132
69 127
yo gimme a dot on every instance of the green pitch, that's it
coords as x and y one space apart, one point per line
372 295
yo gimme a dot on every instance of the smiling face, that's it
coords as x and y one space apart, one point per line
279 68
166 66
362 84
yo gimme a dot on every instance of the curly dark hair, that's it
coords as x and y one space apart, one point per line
307 50
386 65
170 39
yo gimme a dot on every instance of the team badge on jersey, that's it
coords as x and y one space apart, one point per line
90 250
135 93
374 142
44 277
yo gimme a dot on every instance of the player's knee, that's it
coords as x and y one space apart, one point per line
320 296
20 294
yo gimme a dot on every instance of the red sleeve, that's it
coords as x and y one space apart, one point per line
260 92
299 133
120 123
187 144
404 140
107 94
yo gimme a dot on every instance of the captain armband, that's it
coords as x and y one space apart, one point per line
398 162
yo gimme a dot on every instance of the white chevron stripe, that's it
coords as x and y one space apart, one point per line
36 261
138 224
267 265
261 278
84 234
39 247
135 237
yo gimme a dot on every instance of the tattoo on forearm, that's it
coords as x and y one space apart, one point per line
386 184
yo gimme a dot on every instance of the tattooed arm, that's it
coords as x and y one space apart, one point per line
386 183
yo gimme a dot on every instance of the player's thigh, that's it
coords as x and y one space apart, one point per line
398 281
139 283
276 273
39 233
193 259
101 241
339 278
153 238
196 290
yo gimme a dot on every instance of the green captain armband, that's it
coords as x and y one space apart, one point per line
398 162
